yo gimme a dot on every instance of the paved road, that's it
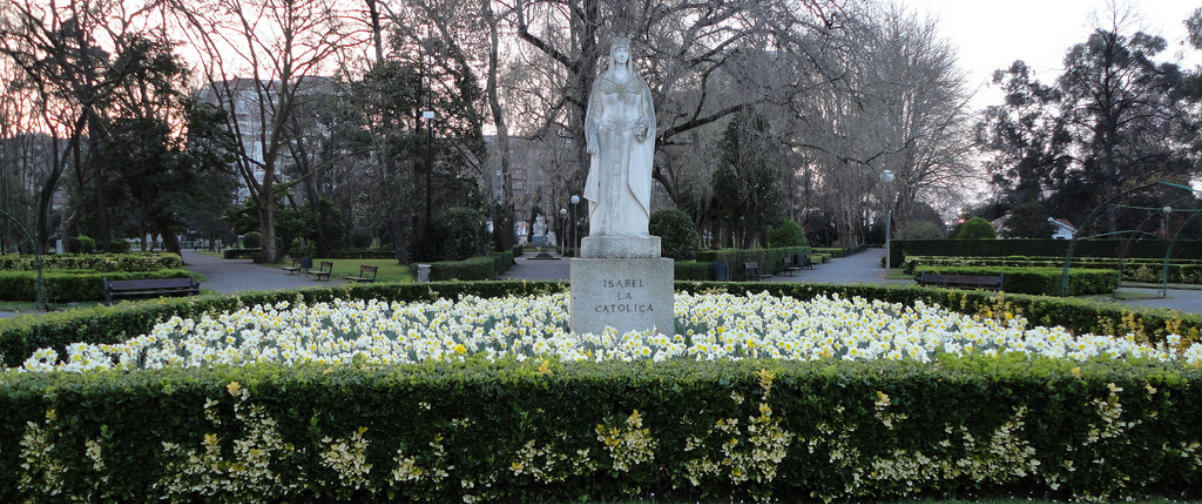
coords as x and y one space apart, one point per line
235 275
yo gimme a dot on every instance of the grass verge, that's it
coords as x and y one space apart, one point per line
389 270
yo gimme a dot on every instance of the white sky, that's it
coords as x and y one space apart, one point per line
990 34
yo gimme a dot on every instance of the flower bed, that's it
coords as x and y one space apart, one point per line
760 396
709 327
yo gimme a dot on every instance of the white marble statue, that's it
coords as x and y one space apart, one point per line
620 129
540 226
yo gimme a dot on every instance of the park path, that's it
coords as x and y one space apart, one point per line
237 275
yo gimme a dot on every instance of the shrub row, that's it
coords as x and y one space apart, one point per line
547 432
1045 281
1185 271
487 267
243 253
694 270
95 262
770 261
1184 249
69 286
21 336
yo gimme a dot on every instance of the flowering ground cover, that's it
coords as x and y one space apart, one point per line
709 327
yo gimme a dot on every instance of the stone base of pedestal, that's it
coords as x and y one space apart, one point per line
628 294
611 246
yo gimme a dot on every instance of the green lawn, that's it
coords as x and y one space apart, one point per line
389 271
899 274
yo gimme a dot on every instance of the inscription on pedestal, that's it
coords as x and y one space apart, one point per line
627 294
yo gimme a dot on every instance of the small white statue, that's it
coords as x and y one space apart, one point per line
540 226
620 129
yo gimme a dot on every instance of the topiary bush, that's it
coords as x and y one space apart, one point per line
252 240
977 228
786 233
81 244
678 234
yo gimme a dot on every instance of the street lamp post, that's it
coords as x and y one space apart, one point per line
887 178
1164 272
428 117
563 216
575 234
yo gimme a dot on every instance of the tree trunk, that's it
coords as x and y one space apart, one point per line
503 230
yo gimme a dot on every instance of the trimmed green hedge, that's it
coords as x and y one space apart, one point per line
1184 249
1184 271
21 336
66 286
694 270
243 253
95 262
544 432
770 261
1045 281
486 267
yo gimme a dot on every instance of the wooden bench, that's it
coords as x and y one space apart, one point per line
296 266
990 282
151 287
752 271
363 271
323 270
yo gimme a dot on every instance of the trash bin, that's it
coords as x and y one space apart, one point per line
721 271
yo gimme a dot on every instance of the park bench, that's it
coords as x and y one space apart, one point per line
302 264
990 282
751 271
323 270
798 262
151 287
363 271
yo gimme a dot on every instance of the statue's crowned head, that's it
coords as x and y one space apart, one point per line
619 42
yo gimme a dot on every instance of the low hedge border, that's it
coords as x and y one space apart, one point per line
1040 281
66 286
1184 249
487 267
244 253
1183 271
840 251
540 431
21 336
97 262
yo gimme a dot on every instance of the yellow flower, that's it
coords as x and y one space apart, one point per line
234 388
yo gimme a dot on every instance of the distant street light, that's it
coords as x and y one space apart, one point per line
563 216
887 178
573 230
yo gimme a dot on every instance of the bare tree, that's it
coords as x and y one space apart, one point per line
258 57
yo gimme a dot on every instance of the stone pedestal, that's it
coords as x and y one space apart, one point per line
628 294
620 246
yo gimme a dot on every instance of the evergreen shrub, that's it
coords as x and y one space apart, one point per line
677 232
81 244
786 233
252 240
977 228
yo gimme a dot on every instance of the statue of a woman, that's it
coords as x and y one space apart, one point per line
620 128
